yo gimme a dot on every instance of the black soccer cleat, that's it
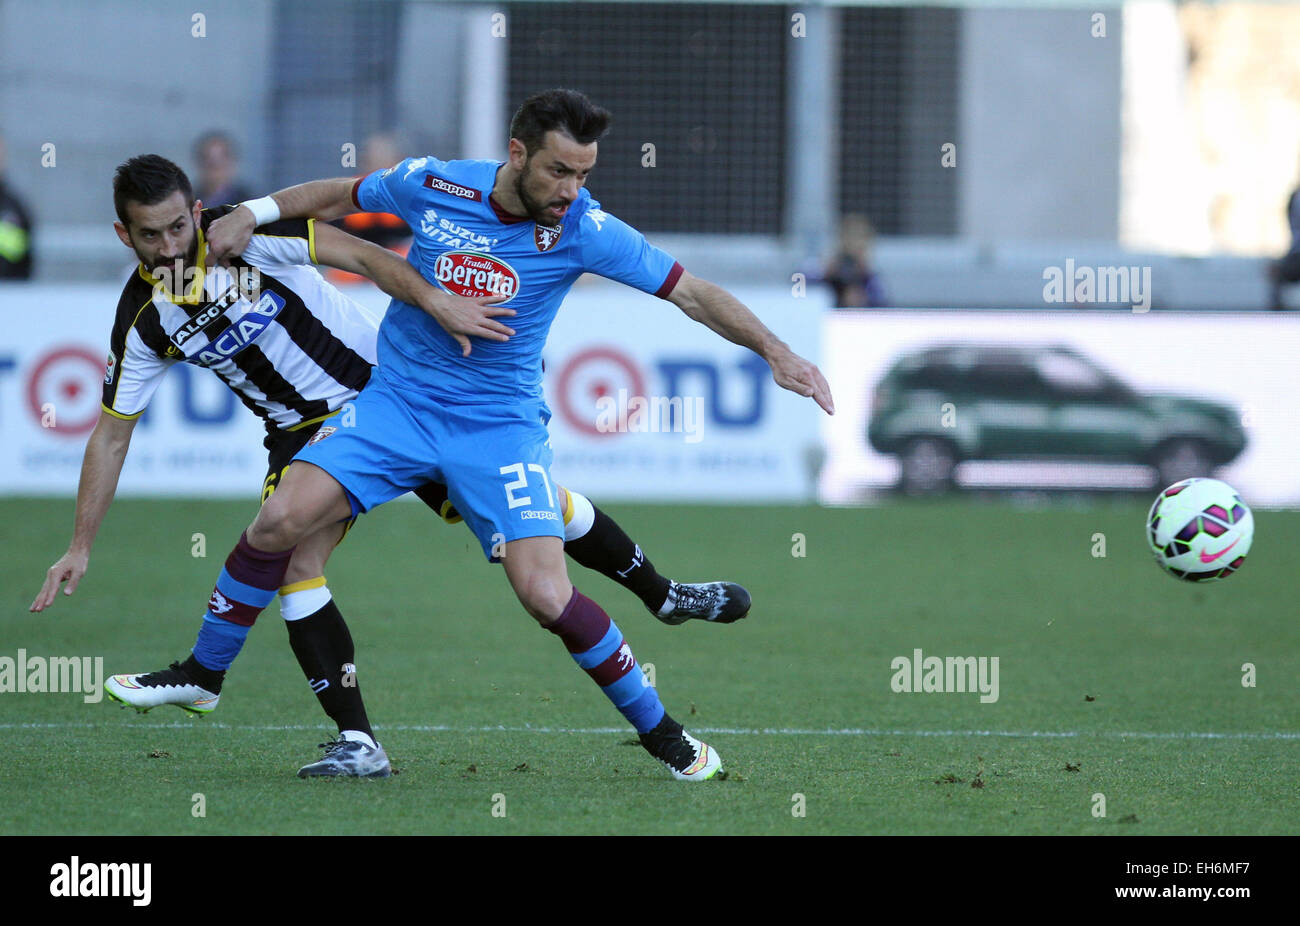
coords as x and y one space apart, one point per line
718 602
349 759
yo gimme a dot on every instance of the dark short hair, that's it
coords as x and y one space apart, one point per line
148 179
566 111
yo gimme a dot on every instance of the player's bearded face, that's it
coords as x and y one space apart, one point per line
177 259
531 187
552 177
165 239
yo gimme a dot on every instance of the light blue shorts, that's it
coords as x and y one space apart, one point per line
494 459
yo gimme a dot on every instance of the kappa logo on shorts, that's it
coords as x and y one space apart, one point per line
322 434
546 238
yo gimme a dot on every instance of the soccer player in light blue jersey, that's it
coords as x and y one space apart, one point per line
472 415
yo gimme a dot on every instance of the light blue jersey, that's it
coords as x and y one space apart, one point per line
464 246
476 424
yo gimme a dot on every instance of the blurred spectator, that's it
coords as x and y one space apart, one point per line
15 231
379 152
849 272
218 163
1287 269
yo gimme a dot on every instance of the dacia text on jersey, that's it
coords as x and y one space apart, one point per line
243 332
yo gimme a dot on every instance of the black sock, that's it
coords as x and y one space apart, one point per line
609 551
204 677
323 645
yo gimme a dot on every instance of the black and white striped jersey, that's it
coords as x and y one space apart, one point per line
290 345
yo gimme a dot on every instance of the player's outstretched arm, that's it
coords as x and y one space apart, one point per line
460 317
713 306
319 199
100 468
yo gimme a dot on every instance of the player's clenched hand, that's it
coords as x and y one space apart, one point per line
798 375
70 568
228 236
464 318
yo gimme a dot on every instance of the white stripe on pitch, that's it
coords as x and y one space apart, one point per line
725 731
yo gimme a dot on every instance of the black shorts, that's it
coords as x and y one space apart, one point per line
282 446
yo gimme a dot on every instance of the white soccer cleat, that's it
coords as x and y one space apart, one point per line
148 690
682 754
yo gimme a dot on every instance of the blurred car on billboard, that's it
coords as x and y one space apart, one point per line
949 403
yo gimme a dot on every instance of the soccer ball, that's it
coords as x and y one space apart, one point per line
1200 530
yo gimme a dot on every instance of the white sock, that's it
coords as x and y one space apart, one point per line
670 600
356 736
305 602
582 518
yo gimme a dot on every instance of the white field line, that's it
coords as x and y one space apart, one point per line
201 723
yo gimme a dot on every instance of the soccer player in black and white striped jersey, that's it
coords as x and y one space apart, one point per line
295 350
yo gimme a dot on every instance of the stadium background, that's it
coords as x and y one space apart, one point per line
742 133
1163 136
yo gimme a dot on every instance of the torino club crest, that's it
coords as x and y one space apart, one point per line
545 238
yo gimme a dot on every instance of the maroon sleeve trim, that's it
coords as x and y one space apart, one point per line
671 282
356 202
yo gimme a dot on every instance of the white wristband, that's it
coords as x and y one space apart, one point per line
264 210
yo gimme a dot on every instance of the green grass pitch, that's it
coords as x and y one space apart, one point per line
1114 680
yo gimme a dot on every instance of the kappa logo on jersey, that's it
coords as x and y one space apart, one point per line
322 434
598 216
110 368
434 182
473 274
545 238
417 164
244 331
